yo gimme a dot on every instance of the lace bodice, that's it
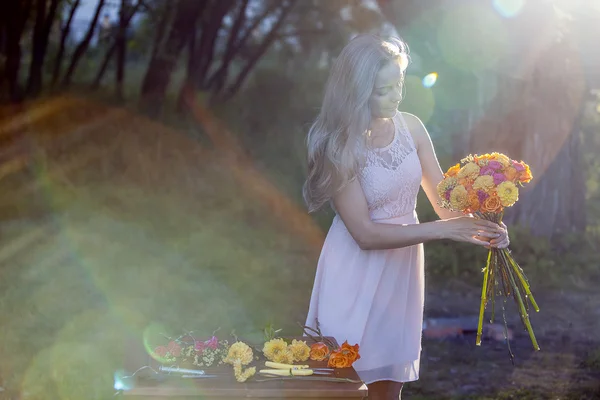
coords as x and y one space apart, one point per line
391 177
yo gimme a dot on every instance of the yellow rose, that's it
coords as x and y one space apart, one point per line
508 193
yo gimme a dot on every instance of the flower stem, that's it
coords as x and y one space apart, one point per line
522 279
520 304
483 299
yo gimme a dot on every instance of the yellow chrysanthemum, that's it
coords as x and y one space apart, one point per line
284 357
501 158
484 182
469 170
240 374
239 351
508 193
459 198
300 350
445 184
274 347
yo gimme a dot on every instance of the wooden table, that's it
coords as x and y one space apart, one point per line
227 388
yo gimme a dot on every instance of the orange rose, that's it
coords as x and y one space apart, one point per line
319 351
473 201
510 173
350 351
466 182
453 170
492 204
525 176
338 359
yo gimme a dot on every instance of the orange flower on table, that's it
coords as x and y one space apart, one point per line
350 351
338 359
492 204
319 351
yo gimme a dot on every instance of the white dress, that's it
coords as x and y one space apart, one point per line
375 297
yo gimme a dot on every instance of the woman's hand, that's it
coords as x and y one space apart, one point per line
502 241
474 230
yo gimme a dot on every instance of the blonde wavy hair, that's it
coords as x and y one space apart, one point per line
336 140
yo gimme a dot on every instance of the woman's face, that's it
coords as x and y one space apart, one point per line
387 91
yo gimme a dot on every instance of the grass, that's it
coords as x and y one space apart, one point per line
141 231
139 248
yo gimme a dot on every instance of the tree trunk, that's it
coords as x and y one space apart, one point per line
165 58
41 33
15 24
110 51
201 56
536 119
104 65
66 29
251 63
234 42
121 43
83 45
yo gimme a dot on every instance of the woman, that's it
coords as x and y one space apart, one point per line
368 160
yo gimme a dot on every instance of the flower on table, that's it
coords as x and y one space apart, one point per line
319 351
300 350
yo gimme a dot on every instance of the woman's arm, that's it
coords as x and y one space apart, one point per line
432 172
351 205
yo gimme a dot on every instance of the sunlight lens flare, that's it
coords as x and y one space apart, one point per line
508 8
472 38
430 79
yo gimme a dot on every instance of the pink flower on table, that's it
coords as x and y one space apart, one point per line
174 349
200 346
161 351
212 343
494 164
499 178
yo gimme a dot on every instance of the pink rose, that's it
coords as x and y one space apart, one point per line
518 166
495 164
498 178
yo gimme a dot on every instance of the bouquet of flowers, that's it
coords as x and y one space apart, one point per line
484 185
